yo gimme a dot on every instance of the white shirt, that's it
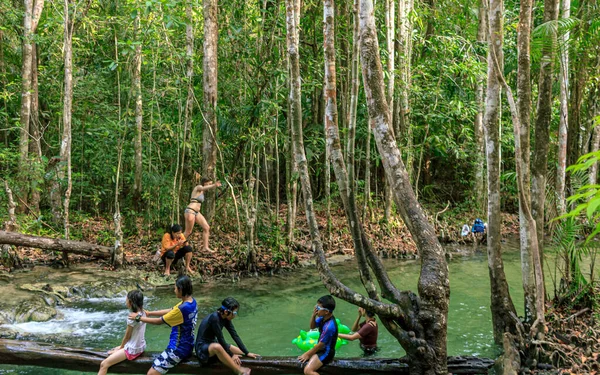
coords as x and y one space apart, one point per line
137 342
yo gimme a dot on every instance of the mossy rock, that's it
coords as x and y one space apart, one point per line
34 310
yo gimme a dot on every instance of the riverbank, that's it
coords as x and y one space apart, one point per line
389 240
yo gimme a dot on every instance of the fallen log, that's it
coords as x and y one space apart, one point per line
27 353
55 244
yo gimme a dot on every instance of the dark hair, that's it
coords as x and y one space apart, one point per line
184 284
204 180
230 304
370 313
327 302
136 300
174 229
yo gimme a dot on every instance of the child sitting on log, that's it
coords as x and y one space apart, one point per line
182 320
324 351
133 343
210 343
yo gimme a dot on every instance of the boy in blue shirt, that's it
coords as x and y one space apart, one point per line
324 351
182 319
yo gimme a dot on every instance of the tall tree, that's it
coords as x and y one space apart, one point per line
404 50
389 27
479 187
210 71
503 310
333 143
542 126
430 355
523 158
65 169
33 10
564 113
139 114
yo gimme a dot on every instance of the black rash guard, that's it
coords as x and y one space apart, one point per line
210 331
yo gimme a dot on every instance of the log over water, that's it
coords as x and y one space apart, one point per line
29 353
55 244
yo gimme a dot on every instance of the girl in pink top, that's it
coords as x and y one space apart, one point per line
133 343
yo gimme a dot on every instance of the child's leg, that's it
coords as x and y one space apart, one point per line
313 365
225 358
113 359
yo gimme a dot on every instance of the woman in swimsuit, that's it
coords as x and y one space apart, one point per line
192 211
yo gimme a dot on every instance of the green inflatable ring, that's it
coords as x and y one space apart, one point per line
307 340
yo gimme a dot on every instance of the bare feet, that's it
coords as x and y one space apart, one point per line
244 371
206 249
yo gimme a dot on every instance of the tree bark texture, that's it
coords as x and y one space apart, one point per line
389 27
429 356
542 130
139 114
46 355
564 114
479 187
504 316
333 144
355 85
65 146
524 109
210 71
26 80
404 36
55 244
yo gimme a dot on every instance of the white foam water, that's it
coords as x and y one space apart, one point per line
75 322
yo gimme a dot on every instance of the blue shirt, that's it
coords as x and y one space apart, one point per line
183 320
328 334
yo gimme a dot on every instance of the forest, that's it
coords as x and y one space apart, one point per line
429 113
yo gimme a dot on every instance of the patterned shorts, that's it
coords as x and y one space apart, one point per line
166 361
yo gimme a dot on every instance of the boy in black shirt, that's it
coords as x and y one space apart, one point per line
211 345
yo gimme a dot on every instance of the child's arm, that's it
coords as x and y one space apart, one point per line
352 337
233 333
158 312
127 336
308 355
313 322
145 319
356 324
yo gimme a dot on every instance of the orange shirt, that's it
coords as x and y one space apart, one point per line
167 242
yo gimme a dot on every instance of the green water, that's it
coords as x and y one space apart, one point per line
274 309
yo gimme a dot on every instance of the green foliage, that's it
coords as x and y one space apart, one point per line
587 198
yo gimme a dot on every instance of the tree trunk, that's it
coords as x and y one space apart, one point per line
17 352
55 244
542 130
28 34
333 144
8 256
479 192
139 115
433 284
389 27
65 146
504 316
524 110
210 71
404 33
189 102
595 112
564 115
355 85
35 147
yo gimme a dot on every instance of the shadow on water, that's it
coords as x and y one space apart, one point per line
274 309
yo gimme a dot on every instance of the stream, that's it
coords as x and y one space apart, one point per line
274 309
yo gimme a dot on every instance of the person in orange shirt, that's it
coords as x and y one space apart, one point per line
174 246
